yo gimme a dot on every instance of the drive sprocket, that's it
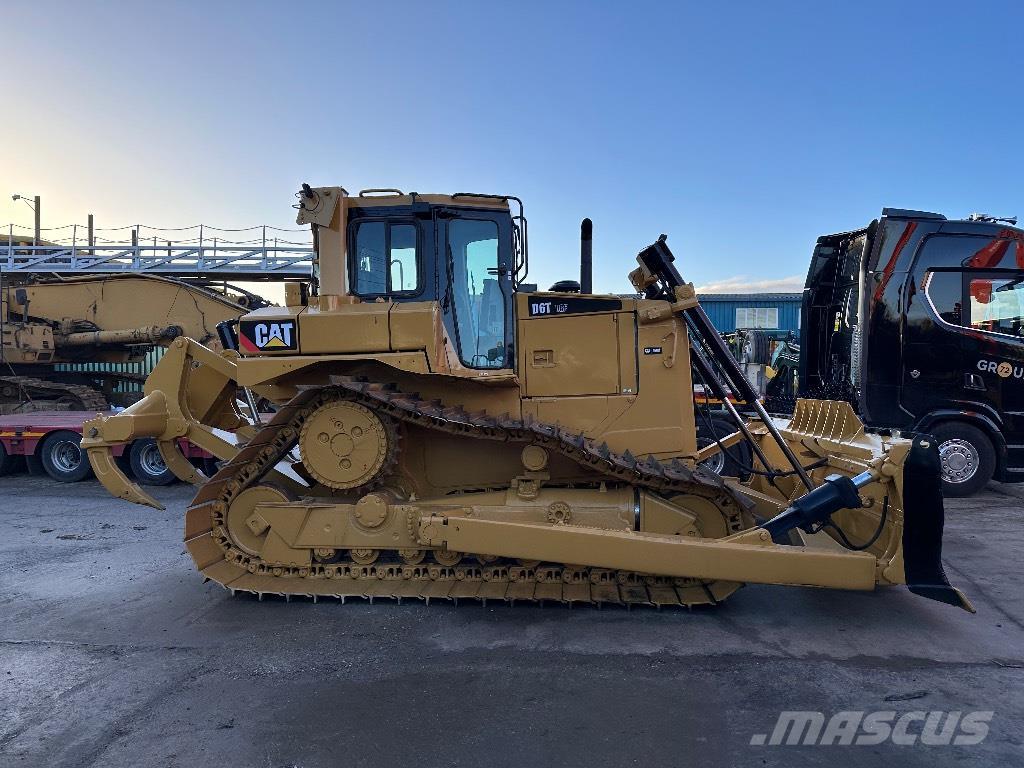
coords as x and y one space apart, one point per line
345 445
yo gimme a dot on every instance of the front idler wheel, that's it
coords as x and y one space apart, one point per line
246 529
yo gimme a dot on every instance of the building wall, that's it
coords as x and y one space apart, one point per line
721 308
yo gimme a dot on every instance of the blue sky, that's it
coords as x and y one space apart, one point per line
741 130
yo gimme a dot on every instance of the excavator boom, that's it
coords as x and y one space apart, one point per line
47 322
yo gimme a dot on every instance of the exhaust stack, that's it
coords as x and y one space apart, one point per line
587 256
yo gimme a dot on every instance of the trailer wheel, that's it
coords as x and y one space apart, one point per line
8 463
967 456
63 458
739 455
148 465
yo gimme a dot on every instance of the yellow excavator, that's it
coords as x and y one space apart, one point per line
49 324
445 430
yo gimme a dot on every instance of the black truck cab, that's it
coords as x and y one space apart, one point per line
919 322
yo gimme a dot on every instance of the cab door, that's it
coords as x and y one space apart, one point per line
994 348
933 370
477 296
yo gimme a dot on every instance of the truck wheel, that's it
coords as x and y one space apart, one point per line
760 348
148 465
63 458
730 465
8 463
968 458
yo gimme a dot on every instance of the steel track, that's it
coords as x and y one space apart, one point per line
209 540
91 399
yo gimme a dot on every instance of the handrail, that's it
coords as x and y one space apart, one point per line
168 259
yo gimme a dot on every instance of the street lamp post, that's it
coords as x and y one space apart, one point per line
34 205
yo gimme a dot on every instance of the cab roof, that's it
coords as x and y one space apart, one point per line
373 198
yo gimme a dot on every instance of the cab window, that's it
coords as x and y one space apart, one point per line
478 297
945 292
384 259
997 304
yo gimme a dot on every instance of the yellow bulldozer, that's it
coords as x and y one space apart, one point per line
444 430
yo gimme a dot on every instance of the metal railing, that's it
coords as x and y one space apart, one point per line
167 259
181 252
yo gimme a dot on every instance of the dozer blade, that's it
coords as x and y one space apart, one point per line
923 521
904 480
909 546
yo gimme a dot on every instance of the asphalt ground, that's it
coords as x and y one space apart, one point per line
114 653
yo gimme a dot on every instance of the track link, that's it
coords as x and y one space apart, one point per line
31 388
209 542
